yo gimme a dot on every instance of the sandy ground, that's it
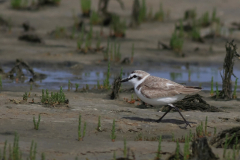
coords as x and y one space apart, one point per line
57 136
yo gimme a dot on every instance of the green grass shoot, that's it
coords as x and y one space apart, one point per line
125 148
177 156
36 124
158 156
176 41
99 124
215 131
142 12
98 44
81 135
113 134
186 148
33 151
212 92
106 82
43 156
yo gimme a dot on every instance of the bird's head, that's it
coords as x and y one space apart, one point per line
136 77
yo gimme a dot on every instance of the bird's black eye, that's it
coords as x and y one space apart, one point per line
134 76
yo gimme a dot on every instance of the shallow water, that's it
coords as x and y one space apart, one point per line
190 75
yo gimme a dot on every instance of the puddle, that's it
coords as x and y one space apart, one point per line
191 75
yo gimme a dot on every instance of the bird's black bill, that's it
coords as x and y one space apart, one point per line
125 80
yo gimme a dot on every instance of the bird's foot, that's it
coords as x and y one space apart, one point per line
187 124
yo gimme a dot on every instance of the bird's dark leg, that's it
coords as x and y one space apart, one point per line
187 123
159 120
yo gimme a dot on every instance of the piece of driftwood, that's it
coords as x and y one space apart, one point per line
220 140
18 70
227 71
116 88
201 150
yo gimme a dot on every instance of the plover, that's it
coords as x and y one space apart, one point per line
159 91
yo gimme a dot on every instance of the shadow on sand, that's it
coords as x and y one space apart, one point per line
174 121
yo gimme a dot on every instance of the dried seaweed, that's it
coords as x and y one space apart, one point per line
219 140
195 102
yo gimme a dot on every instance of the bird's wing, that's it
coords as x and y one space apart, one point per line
155 87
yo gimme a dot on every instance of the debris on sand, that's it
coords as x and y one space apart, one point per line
30 38
116 88
27 27
228 137
194 102
201 150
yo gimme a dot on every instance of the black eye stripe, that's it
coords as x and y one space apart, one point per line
134 76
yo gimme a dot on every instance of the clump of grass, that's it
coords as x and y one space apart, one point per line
205 20
16 4
159 15
86 7
36 124
176 41
94 18
142 12
212 92
87 87
235 89
80 135
113 134
25 96
33 151
54 98
195 33
60 32
106 82
158 156
76 86
118 26
190 14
